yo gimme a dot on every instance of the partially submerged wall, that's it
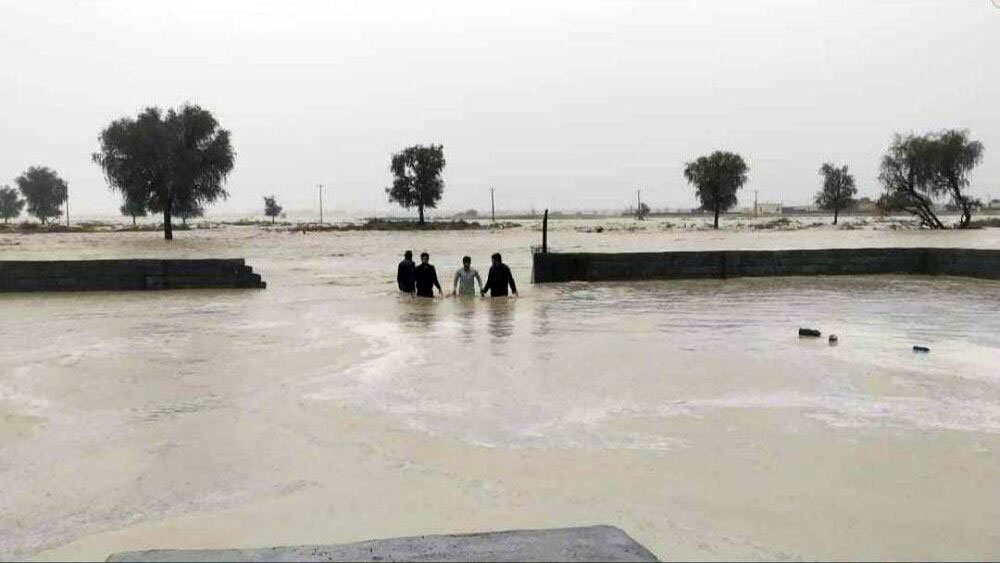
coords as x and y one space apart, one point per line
582 266
118 275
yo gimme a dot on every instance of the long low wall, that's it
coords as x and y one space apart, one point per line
119 275
582 266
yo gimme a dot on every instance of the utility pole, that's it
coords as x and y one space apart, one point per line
638 204
493 205
67 206
320 203
755 207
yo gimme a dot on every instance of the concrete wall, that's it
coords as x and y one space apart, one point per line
117 275
556 267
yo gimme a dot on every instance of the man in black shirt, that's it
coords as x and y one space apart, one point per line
499 278
405 273
426 277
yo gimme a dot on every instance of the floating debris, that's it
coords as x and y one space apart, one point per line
809 332
833 340
921 349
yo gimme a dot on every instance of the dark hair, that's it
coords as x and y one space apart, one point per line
496 256
422 254
408 254
466 259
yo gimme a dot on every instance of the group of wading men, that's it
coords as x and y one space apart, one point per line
421 279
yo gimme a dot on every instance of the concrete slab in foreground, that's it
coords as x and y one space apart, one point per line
592 543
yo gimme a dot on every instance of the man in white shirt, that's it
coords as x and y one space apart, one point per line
466 279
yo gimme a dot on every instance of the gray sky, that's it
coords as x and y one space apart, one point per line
560 104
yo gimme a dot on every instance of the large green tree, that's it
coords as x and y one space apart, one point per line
908 174
417 178
838 189
44 191
176 162
716 178
10 204
955 155
917 170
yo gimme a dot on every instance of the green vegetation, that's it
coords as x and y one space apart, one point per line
271 207
917 170
838 189
175 162
716 178
10 204
44 191
417 178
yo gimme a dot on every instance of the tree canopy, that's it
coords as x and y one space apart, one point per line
716 178
919 169
175 162
955 156
271 207
44 191
417 178
838 189
10 203
133 208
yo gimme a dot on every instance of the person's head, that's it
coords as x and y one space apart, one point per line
496 257
466 262
424 257
408 255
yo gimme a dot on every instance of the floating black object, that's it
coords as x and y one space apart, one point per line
833 339
921 349
809 332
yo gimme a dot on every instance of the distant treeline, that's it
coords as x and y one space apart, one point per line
175 163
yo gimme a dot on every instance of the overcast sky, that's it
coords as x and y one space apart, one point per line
560 104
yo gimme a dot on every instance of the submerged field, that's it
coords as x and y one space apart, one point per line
328 409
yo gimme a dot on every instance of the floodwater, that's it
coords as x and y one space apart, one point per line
327 409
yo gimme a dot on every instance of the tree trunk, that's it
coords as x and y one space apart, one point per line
835 212
168 229
420 209
133 222
716 215
272 219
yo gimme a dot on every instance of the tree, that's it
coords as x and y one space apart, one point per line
271 207
417 178
955 155
716 178
176 163
642 212
10 204
44 191
838 189
134 209
188 209
908 174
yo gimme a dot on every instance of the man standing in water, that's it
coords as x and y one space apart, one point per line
426 277
498 279
466 279
405 273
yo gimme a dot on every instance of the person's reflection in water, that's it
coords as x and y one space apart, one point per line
418 315
466 313
501 323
